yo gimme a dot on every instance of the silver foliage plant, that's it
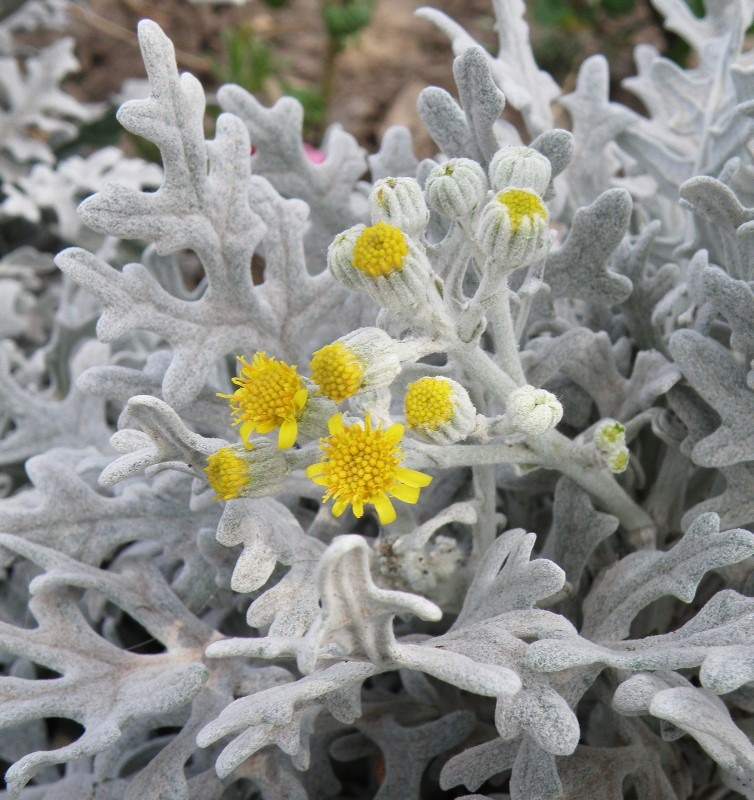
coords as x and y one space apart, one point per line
521 374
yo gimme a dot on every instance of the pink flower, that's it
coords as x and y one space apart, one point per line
314 154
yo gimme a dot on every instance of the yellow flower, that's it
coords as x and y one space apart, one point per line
363 465
337 370
380 250
270 395
428 403
227 473
522 204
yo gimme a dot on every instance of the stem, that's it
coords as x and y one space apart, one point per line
507 355
551 451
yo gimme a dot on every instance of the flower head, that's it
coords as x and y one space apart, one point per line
389 266
246 471
513 228
362 465
428 403
439 409
521 204
270 395
363 360
227 473
337 370
380 250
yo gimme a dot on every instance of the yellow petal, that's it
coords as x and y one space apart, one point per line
385 510
358 507
409 494
412 477
320 480
246 429
299 399
395 433
266 427
315 469
335 424
288 433
339 507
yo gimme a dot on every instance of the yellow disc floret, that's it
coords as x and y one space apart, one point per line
362 465
337 371
380 250
520 204
227 473
270 395
428 403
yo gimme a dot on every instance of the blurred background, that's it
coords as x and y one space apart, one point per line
361 63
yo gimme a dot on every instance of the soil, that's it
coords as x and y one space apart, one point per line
378 76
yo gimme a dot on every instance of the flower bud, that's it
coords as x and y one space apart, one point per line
257 470
382 261
520 168
617 460
399 201
361 361
439 410
609 435
533 411
513 229
610 440
456 188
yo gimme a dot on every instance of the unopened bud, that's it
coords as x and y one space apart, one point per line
533 411
456 188
400 202
520 168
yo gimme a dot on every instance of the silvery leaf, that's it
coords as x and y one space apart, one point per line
642 577
579 268
507 580
466 131
721 381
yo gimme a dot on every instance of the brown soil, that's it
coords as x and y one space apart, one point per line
378 76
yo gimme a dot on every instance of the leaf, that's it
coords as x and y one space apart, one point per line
475 765
43 421
640 578
580 267
275 715
735 505
466 131
403 776
34 100
395 158
577 529
703 641
270 534
163 442
356 619
506 580
527 88
589 359
595 124
700 714
721 381
207 203
327 188
734 300
66 509
534 776
101 686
